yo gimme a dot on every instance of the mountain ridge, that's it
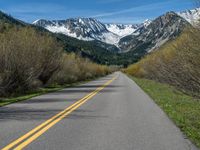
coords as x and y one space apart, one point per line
89 29
96 51
158 32
192 16
143 38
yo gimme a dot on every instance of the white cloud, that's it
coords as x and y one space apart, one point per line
109 1
133 9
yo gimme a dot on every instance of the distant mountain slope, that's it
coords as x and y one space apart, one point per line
87 29
10 20
192 16
158 32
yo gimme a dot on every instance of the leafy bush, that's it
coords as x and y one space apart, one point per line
25 57
75 68
30 59
177 63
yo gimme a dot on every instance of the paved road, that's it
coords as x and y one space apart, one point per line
119 117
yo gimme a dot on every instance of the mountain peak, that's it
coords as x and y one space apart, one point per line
81 28
158 32
147 22
192 16
170 13
38 20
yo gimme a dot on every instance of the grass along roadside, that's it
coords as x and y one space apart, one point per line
38 92
184 110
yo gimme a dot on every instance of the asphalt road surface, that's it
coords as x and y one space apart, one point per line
111 113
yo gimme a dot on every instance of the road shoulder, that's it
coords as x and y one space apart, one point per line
182 109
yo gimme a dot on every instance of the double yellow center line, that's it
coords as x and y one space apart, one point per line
29 137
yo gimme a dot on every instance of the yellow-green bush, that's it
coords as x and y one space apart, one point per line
75 68
31 59
27 59
176 63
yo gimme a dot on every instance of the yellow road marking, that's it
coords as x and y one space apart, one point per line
42 125
42 128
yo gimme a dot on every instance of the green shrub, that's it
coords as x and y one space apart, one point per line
176 63
75 68
30 59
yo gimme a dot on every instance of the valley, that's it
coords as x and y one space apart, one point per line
113 44
87 83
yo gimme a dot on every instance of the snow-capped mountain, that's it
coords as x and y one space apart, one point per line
158 32
146 23
87 29
127 37
192 16
122 29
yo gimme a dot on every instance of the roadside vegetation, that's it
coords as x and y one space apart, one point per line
171 76
183 109
30 60
177 63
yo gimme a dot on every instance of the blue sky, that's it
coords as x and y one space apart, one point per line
110 11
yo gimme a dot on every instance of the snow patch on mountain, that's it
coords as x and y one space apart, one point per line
109 37
121 29
192 16
64 30
87 29
146 23
35 22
